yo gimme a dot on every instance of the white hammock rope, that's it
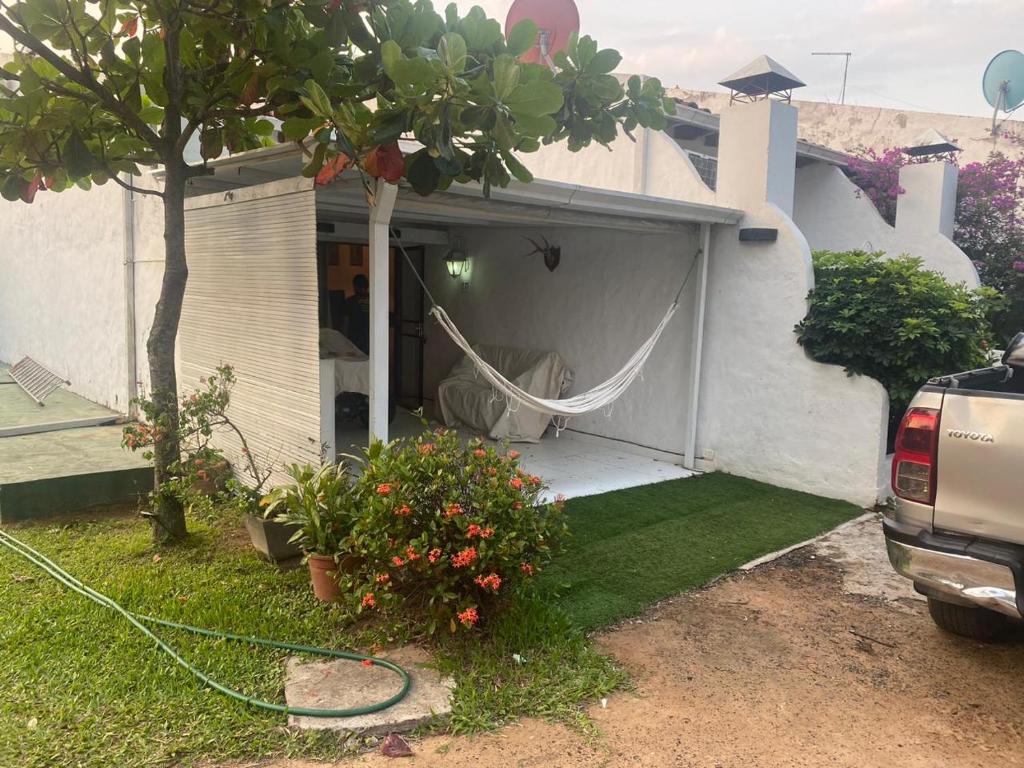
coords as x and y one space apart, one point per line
601 396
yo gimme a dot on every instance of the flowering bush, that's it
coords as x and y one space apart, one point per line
447 528
989 222
878 176
201 467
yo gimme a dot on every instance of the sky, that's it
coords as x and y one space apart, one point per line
926 55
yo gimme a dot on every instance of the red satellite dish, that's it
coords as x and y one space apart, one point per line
556 20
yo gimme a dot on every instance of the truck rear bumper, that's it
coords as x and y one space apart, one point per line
962 577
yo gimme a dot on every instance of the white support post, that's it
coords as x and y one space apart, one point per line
697 348
381 209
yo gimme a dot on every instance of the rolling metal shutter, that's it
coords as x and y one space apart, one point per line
251 302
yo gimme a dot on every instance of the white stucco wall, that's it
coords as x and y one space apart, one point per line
767 410
653 165
833 215
595 310
62 288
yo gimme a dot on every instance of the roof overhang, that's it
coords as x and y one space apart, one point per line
539 203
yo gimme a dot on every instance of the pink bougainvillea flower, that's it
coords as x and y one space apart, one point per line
1018 266
469 617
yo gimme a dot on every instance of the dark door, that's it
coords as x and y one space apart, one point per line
409 360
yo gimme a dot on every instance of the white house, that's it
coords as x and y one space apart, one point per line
726 388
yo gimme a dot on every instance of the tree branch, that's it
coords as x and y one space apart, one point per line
132 188
108 99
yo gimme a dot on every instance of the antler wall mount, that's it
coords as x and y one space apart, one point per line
552 253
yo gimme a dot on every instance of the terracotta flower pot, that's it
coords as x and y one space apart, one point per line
323 572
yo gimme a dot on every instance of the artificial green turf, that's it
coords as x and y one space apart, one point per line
631 548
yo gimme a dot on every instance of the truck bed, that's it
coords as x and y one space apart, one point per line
980 463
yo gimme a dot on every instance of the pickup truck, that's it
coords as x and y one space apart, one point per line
956 528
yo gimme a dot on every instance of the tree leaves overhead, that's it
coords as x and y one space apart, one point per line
345 78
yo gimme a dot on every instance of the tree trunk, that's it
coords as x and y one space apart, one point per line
168 514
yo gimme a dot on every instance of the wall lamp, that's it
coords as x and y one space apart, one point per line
456 260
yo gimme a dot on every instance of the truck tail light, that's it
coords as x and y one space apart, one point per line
917 448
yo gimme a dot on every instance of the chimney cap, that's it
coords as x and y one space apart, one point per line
931 142
761 78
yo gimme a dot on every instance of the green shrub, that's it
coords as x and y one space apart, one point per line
894 321
448 530
320 502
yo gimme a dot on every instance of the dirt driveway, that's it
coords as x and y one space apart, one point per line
764 669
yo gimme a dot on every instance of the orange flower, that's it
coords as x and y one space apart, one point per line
369 601
473 531
516 483
526 568
480 453
383 578
403 511
426 449
464 558
492 471
513 455
486 533
434 555
517 505
367 662
399 562
411 554
453 510
469 617
535 479
384 489
492 582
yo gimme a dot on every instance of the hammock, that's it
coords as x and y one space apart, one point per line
601 396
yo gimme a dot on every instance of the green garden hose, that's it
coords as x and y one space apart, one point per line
139 622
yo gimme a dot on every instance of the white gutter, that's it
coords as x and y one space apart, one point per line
697 349
131 354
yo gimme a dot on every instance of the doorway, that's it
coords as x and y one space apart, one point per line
338 268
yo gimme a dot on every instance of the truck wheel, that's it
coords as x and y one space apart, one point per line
975 623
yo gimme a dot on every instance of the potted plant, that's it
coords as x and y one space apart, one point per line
320 505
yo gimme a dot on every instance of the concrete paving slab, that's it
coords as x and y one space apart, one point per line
17 409
340 684
54 472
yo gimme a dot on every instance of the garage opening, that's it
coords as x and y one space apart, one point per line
622 258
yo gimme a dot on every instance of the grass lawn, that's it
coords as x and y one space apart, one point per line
631 548
82 688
